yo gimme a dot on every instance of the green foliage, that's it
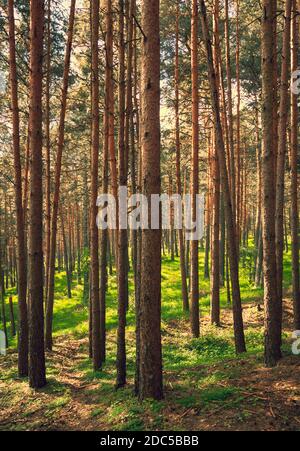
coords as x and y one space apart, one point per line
200 374
212 347
218 394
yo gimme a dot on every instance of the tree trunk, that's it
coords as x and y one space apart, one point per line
66 258
122 234
60 147
281 157
215 242
48 145
230 113
85 233
232 247
238 129
272 321
111 110
195 321
184 290
150 369
294 178
78 244
132 128
37 370
94 271
208 211
222 241
21 251
137 88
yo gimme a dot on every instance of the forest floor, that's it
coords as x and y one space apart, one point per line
206 386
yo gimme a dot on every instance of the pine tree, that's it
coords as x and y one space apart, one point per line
37 370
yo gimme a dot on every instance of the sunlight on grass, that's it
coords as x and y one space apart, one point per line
203 368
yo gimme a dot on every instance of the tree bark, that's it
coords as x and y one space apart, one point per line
184 290
294 178
111 111
66 258
21 250
122 234
48 145
238 129
215 242
230 112
60 147
232 245
281 157
150 364
195 321
94 250
37 370
272 324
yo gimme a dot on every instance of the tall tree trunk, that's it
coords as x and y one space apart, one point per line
150 368
21 251
122 233
275 89
195 321
230 112
215 242
258 226
130 125
48 145
258 171
272 325
108 147
37 370
238 128
208 210
294 178
111 109
103 252
232 247
184 290
85 233
281 157
94 271
60 147
137 108
26 188
222 241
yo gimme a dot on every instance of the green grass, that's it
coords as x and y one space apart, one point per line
71 315
202 366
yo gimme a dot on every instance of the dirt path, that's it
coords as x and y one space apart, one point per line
65 404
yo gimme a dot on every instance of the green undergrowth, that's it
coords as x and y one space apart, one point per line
199 374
